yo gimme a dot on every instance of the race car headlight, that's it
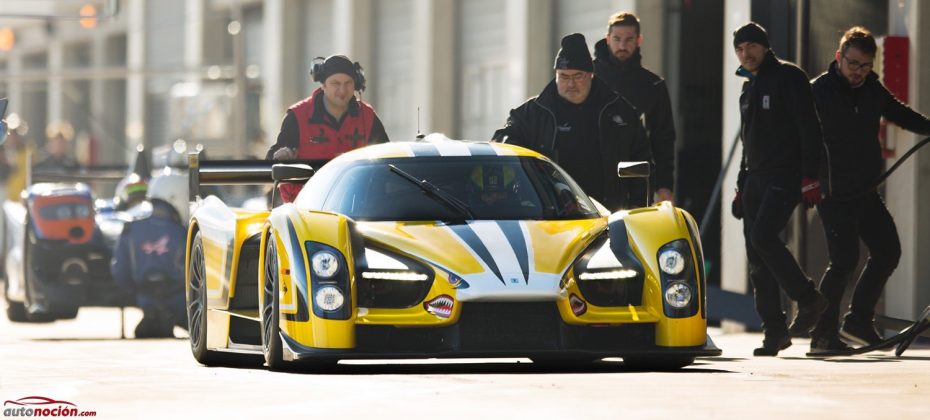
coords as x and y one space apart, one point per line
324 264
383 265
671 262
678 295
329 298
677 276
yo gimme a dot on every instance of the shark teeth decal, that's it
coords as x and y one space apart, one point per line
578 305
440 306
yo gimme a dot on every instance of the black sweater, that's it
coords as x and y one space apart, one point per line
780 128
850 118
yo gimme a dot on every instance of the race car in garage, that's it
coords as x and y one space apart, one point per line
440 248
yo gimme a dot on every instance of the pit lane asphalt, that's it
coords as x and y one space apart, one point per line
83 361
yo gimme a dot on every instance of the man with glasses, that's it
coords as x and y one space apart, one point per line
582 125
781 158
851 102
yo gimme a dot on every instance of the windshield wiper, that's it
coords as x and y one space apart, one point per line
436 193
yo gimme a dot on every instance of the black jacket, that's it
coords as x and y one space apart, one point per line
850 118
649 94
620 138
780 128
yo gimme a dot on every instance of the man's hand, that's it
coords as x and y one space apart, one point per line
285 153
736 208
664 194
810 192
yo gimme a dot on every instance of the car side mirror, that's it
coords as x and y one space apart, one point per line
291 172
640 169
633 169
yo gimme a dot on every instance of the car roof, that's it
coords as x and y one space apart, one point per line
436 145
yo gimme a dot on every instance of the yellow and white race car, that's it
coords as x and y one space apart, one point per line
439 248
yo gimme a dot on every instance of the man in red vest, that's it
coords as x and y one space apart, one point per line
330 122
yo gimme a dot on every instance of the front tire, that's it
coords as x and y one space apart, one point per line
271 313
197 305
15 311
29 277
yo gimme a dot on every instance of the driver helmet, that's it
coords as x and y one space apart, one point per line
171 187
130 191
493 181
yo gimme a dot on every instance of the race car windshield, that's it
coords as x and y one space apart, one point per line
490 187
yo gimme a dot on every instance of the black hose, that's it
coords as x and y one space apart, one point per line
717 185
881 180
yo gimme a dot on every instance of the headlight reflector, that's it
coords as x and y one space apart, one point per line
678 295
329 298
324 264
671 262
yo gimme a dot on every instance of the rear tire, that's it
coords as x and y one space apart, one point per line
657 362
272 348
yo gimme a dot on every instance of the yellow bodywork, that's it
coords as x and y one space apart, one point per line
648 229
555 245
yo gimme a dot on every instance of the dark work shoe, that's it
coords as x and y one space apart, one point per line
827 344
858 331
808 315
772 344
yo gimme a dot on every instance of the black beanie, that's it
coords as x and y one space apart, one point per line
751 32
574 54
336 64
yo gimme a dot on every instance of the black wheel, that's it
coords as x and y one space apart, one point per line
271 337
29 277
197 305
657 362
15 311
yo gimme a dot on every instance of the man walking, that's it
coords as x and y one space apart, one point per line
851 102
781 151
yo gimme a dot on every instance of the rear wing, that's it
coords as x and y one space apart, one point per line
83 174
233 172
80 174
141 166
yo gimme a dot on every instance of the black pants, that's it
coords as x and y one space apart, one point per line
768 201
844 223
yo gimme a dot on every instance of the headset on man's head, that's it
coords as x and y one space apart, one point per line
320 64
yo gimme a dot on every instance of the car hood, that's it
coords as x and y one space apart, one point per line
501 260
